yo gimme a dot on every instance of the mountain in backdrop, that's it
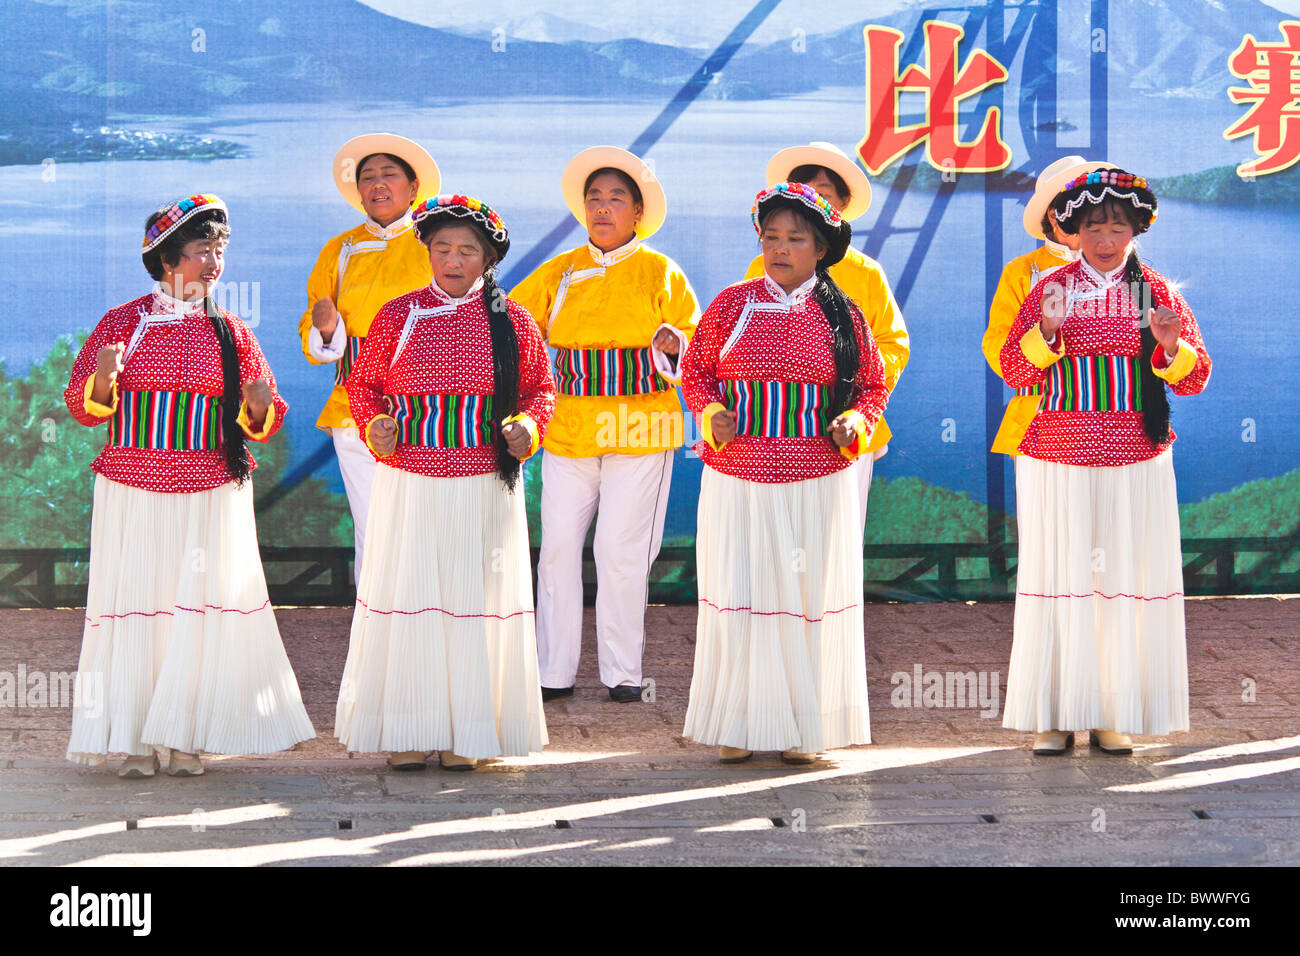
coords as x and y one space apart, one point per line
91 62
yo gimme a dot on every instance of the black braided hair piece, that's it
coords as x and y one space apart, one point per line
505 373
232 397
843 317
1155 400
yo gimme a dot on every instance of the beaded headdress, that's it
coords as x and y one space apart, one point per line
1095 186
830 224
182 210
802 193
463 207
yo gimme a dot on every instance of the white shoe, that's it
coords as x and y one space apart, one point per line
1109 742
135 767
184 765
1053 743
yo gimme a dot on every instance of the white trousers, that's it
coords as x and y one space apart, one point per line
632 494
358 467
863 469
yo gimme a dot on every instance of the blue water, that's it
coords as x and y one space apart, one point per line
68 252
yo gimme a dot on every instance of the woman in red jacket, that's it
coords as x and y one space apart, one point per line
1099 642
452 389
180 651
788 384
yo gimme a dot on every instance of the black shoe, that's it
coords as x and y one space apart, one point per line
550 693
624 693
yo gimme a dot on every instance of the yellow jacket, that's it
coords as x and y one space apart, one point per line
864 282
1018 277
381 264
615 300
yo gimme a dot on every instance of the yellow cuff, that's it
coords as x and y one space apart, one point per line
706 422
366 436
1180 367
1036 349
246 423
93 407
858 422
531 425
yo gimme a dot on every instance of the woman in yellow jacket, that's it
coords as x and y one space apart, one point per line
619 316
356 274
845 186
1019 276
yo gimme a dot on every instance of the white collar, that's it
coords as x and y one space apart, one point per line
473 290
795 297
173 304
1061 251
1105 278
614 256
390 231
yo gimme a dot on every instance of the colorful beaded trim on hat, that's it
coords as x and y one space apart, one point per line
1119 184
178 212
804 194
462 207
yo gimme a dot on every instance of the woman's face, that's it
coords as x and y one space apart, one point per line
195 275
386 193
457 258
612 214
1104 238
822 183
791 249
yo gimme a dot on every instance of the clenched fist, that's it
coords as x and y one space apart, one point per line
383 436
325 317
842 433
519 440
109 364
258 398
724 427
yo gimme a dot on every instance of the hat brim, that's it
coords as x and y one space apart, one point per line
1045 191
358 148
780 166
654 205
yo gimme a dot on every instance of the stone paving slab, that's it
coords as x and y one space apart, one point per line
619 786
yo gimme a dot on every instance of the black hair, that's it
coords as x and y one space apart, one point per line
210 225
505 341
205 225
406 167
808 172
845 318
1155 400
627 181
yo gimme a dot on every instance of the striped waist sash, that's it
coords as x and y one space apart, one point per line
168 421
1094 383
1030 390
343 367
444 421
778 409
606 372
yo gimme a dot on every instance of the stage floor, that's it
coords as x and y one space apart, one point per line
619 786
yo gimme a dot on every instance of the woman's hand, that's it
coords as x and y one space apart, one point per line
843 433
723 424
383 436
666 342
109 364
519 440
1165 326
1053 310
258 398
325 317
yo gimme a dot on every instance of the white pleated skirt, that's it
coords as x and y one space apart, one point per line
180 647
443 649
1099 642
780 655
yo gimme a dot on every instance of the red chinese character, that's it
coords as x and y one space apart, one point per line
1273 72
943 85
